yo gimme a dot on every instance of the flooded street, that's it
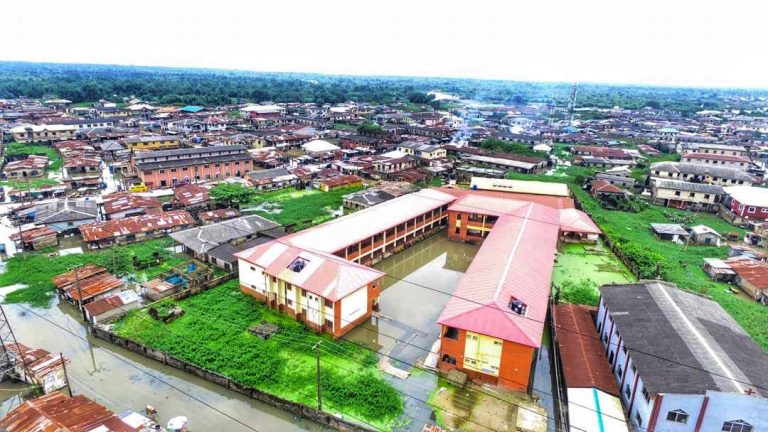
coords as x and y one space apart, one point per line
122 380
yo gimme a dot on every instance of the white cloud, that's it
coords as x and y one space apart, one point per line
702 43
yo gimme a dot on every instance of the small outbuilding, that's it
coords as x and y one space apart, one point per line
669 232
704 235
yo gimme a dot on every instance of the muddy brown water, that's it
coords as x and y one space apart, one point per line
122 380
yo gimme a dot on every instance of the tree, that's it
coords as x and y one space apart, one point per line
231 194
582 292
369 128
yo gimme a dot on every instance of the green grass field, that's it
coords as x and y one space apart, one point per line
213 334
301 208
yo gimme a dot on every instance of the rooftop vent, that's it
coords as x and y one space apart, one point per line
298 265
517 306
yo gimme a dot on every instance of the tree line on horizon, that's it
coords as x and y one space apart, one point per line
210 87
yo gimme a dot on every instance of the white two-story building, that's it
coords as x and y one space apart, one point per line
681 362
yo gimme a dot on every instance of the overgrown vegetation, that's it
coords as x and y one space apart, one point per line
579 292
231 194
213 334
510 147
35 270
15 148
299 209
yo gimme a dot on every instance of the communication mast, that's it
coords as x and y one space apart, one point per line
572 102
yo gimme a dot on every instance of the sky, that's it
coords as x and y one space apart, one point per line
672 42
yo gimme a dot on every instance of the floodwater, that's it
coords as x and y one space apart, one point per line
122 380
418 284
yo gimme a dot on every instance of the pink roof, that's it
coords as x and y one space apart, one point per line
718 157
326 275
488 205
572 220
515 260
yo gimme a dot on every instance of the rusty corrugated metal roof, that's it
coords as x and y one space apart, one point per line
56 412
135 224
83 272
581 353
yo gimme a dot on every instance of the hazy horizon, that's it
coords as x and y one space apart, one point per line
655 43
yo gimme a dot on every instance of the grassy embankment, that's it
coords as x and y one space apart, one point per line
213 334
676 263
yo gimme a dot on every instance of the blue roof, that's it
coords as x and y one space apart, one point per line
192 109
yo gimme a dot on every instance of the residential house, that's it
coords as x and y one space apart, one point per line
738 162
202 242
165 168
35 238
213 216
56 412
681 362
62 216
38 367
704 235
123 204
743 204
111 307
669 232
82 172
422 150
686 195
151 142
33 166
192 197
625 182
751 276
700 173
274 178
135 228
42 133
376 195
86 283
498 160
328 184
723 149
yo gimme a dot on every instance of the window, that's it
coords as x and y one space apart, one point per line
677 193
627 391
452 360
751 210
737 426
692 194
619 372
678 416
646 396
517 306
452 333
328 303
634 368
706 196
638 419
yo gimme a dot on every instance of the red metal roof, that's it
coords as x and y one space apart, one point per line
752 271
93 286
122 201
515 261
83 272
218 214
56 412
603 186
191 194
581 353
33 234
135 224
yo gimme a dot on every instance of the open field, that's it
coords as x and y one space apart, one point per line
213 334
676 263
35 270
301 208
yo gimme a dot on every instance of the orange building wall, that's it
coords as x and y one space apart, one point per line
514 370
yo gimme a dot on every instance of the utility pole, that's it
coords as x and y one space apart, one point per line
80 294
316 349
66 377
